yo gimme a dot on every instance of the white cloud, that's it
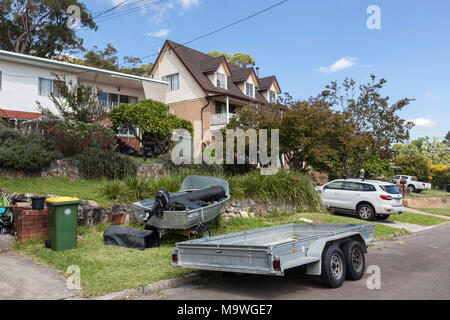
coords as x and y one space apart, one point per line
341 64
163 33
434 95
187 4
424 122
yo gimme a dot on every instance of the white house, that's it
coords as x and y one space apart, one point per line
26 80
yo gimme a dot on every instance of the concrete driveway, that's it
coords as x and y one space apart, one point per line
416 267
24 279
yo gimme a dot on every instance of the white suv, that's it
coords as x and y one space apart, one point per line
369 199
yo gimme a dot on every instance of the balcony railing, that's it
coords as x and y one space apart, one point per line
220 118
107 104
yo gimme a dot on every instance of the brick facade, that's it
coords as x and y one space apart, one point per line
30 224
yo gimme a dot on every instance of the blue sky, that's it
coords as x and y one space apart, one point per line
307 44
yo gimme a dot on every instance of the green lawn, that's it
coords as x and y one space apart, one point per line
430 194
106 269
415 218
83 189
442 211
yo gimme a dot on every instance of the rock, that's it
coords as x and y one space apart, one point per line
306 220
252 214
244 214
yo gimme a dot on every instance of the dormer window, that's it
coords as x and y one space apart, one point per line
221 80
272 96
249 89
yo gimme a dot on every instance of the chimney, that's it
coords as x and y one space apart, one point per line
257 72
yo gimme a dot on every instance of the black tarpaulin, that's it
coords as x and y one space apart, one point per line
130 237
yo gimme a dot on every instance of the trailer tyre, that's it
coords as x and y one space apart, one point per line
333 267
354 259
203 232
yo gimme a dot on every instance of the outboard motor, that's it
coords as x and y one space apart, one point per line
162 202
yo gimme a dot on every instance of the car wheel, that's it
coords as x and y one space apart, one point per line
333 267
413 189
366 212
383 216
354 259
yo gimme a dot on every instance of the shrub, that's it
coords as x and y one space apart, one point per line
440 176
72 137
414 165
290 186
95 163
27 152
377 167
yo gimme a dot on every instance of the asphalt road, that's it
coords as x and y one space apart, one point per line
417 267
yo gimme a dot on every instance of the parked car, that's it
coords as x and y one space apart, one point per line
412 182
368 199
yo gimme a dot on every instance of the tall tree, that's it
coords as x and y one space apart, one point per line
447 138
240 59
375 119
108 59
39 27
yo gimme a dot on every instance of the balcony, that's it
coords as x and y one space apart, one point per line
220 118
107 104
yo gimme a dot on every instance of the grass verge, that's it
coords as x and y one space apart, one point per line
106 269
430 194
441 211
419 219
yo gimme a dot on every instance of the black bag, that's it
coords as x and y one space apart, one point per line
131 237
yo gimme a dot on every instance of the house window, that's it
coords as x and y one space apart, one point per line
173 80
221 80
249 89
272 96
47 87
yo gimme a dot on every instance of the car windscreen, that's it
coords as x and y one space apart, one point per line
390 189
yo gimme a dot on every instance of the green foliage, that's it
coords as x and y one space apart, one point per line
25 152
240 59
440 176
108 59
377 167
290 186
414 165
72 137
153 119
39 27
96 163
438 152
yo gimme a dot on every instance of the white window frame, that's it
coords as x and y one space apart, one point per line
173 86
272 96
248 86
218 80
53 88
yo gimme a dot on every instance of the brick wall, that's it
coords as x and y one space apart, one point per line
132 142
30 224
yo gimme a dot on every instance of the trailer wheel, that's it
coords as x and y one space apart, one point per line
333 267
203 231
354 259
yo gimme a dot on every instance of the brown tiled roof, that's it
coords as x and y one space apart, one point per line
199 63
266 83
12 114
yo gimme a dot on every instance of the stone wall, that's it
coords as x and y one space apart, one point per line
250 207
427 202
65 169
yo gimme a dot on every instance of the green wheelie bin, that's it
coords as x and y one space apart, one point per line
62 223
